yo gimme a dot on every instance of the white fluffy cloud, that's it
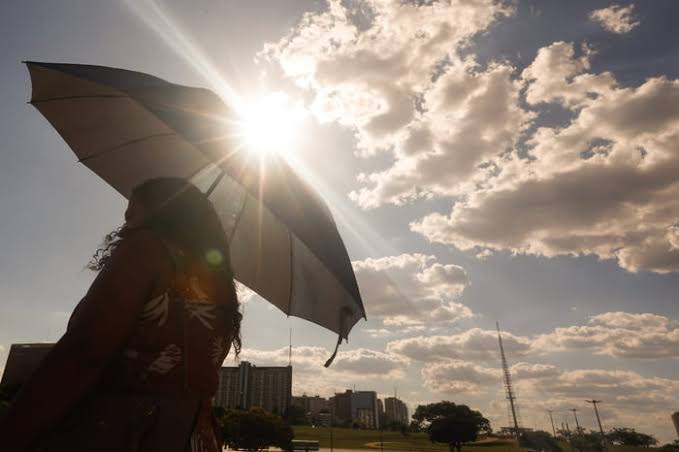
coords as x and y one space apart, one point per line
617 334
391 71
474 344
360 362
469 117
456 376
529 371
616 18
412 289
606 184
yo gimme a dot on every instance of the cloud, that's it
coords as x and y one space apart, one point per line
527 371
557 75
632 321
617 334
377 332
616 19
474 344
412 289
458 377
469 116
605 184
357 363
393 75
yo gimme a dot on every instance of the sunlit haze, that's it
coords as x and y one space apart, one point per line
270 124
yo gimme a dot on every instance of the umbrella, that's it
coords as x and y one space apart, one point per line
127 127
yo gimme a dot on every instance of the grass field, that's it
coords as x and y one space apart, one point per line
344 438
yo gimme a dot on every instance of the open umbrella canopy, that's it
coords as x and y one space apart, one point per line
128 127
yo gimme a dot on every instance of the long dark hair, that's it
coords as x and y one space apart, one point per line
180 213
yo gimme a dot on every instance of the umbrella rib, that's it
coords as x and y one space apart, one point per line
237 222
127 143
98 96
215 183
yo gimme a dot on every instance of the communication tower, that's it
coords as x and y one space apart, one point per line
509 389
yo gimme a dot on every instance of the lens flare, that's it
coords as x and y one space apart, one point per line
214 257
271 123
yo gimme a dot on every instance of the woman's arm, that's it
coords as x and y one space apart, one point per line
106 317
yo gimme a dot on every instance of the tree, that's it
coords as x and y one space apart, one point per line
630 437
296 415
587 442
446 422
671 447
255 429
414 427
539 440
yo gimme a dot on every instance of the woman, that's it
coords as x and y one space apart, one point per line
158 321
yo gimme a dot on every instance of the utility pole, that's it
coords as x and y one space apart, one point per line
508 383
598 419
577 424
551 419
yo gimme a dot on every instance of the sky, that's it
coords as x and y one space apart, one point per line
487 160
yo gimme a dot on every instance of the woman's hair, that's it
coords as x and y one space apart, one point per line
180 213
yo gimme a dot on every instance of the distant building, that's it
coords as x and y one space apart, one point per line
249 386
22 360
675 420
311 405
395 411
380 412
357 407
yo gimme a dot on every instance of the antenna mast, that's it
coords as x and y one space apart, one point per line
509 389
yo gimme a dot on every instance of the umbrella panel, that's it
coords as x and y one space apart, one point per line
128 127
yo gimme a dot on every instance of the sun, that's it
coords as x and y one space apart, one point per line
270 124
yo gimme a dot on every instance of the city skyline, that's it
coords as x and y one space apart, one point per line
510 161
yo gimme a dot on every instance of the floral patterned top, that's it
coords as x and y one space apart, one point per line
178 345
